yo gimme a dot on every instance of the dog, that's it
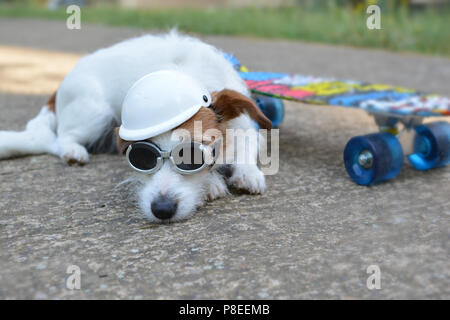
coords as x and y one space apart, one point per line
81 116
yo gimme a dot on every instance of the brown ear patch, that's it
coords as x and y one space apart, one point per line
51 102
208 120
122 145
230 104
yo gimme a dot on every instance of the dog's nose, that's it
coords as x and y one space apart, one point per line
164 207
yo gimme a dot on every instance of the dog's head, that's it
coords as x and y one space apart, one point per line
167 194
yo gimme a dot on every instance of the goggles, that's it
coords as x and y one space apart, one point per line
186 157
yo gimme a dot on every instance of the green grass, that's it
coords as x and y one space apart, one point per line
425 32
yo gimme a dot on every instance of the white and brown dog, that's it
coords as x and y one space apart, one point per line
88 105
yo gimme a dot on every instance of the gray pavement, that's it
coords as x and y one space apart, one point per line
311 235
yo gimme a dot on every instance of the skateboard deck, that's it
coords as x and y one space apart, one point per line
374 98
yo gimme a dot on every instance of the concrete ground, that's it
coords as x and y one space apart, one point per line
311 235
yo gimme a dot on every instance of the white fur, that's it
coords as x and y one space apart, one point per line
90 98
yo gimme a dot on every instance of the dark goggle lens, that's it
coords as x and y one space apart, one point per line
188 157
143 156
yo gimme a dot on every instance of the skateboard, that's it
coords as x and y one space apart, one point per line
399 114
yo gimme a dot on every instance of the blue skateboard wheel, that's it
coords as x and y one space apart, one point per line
431 146
373 158
272 108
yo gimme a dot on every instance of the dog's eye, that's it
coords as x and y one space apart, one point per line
205 98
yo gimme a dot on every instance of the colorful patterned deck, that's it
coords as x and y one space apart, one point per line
374 98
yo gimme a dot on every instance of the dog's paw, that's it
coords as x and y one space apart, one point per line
74 154
217 189
248 177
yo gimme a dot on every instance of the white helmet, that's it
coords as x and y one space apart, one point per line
160 101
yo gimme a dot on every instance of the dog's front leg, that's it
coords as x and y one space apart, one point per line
245 173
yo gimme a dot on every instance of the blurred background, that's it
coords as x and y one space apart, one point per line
406 25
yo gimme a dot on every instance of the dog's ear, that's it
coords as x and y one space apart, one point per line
230 104
122 145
